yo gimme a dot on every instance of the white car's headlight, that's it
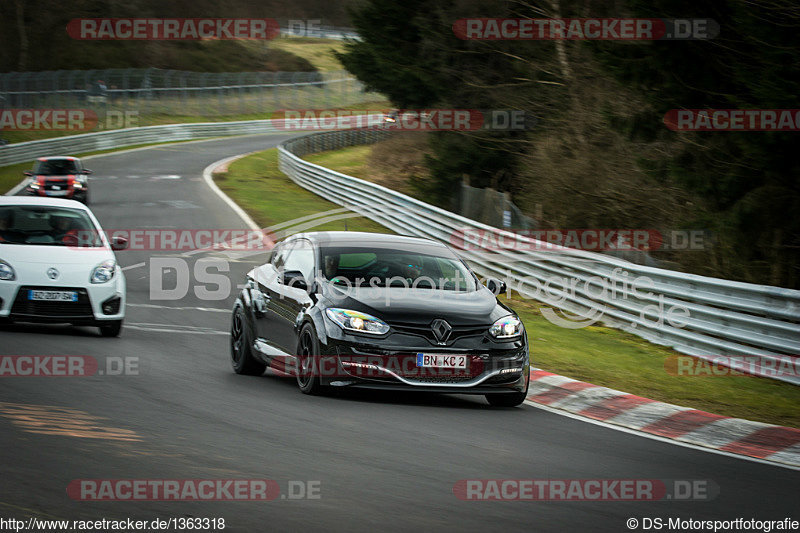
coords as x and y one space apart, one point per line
7 272
103 272
356 321
507 327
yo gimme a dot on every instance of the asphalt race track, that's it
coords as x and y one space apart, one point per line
384 462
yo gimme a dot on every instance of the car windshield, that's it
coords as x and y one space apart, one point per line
47 225
414 267
56 167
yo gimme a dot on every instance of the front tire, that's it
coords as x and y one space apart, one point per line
112 329
242 358
308 362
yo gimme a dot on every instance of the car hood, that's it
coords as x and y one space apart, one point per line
399 305
53 255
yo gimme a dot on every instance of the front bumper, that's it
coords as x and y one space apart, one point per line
88 310
491 367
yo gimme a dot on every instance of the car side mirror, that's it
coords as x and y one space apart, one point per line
314 290
496 286
28 173
86 171
119 243
295 279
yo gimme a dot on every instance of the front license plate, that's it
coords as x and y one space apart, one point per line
53 296
426 360
57 193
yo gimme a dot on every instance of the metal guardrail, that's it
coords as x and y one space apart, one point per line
90 142
742 321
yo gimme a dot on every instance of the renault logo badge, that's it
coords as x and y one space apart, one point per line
441 330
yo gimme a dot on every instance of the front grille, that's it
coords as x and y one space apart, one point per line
458 332
404 365
23 307
50 184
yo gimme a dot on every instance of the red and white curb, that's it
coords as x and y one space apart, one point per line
732 435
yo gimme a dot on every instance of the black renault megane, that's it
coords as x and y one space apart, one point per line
367 310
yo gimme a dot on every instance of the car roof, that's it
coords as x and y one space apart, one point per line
363 237
52 202
57 157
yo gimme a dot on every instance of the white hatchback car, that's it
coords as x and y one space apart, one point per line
57 266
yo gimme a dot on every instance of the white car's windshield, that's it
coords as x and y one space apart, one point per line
47 225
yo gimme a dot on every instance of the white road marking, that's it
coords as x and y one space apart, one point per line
174 328
207 309
216 190
131 267
181 204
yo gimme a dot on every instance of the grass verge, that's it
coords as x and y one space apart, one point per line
351 160
269 197
318 52
619 360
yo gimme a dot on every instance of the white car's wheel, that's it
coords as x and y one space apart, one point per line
112 329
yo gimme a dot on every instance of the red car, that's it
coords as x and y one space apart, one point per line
59 177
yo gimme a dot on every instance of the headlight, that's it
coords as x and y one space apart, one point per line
507 327
355 321
6 272
103 272
77 185
34 185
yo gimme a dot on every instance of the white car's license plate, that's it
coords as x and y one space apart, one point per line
53 296
427 360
